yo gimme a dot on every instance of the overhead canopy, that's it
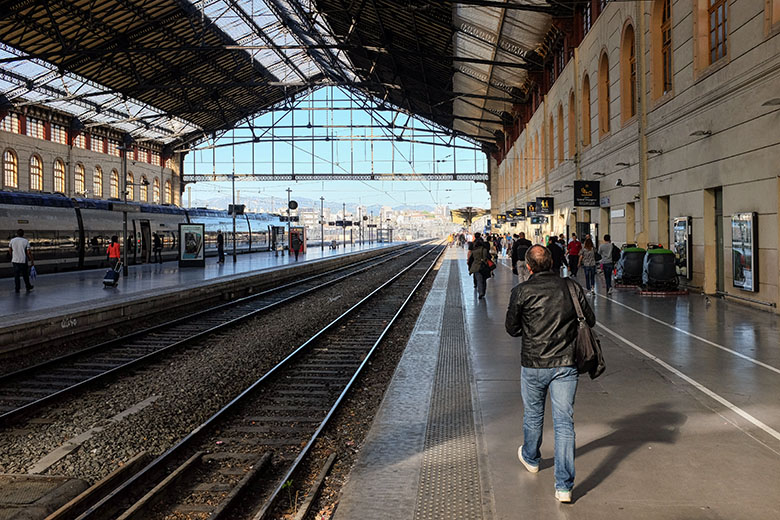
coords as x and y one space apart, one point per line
173 70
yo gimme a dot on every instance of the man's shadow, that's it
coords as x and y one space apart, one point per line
657 424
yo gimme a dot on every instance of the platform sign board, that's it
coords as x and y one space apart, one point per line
520 214
545 205
744 247
586 194
683 247
192 250
530 209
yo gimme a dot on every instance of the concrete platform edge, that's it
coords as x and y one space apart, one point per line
384 481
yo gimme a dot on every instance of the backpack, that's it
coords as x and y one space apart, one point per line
615 253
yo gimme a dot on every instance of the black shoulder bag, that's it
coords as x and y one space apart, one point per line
587 349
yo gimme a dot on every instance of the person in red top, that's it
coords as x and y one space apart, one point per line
573 248
114 253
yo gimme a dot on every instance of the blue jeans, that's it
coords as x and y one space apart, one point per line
590 276
608 274
21 271
562 382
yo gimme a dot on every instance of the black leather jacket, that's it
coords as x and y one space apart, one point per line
541 311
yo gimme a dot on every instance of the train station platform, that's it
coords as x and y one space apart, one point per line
684 423
76 300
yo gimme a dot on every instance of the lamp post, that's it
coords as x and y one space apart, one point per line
344 223
289 191
322 223
233 179
123 147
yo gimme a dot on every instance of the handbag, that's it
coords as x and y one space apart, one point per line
587 349
490 263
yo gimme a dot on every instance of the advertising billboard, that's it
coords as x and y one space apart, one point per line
192 250
744 248
683 247
587 194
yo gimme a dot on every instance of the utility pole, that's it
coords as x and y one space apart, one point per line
124 201
289 191
344 223
322 223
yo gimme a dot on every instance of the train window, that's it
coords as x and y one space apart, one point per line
44 245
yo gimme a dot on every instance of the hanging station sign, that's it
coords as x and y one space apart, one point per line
744 247
586 194
545 205
530 209
520 213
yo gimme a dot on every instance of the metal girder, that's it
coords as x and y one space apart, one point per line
263 36
223 177
508 5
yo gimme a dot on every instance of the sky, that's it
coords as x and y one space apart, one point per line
335 143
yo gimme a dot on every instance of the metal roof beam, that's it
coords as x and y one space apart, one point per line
508 5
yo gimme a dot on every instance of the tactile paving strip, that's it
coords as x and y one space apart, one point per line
449 478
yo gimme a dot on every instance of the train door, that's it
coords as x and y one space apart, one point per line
146 241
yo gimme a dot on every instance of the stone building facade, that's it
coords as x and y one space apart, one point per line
673 106
43 151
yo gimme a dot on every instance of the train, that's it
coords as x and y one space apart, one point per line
73 233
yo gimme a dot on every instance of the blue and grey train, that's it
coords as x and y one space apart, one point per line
73 233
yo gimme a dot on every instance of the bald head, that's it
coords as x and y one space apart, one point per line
538 258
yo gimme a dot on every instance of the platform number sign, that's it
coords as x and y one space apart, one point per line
545 205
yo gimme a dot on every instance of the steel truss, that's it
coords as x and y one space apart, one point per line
223 177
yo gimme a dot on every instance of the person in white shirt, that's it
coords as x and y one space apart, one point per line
19 249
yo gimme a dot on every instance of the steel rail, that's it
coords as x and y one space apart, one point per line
136 486
8 416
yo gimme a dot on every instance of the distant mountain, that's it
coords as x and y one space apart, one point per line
279 204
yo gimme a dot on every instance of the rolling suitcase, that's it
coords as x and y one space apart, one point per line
111 279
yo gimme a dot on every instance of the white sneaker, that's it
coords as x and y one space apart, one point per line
530 467
593 292
563 496
609 291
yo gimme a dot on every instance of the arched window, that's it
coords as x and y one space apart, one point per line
560 133
114 184
551 145
586 111
10 169
59 176
572 127
661 34
78 185
628 75
156 191
168 193
97 183
36 173
130 188
603 95
144 189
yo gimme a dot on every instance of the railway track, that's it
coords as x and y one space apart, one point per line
257 441
29 389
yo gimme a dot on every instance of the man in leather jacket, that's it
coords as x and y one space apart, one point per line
541 311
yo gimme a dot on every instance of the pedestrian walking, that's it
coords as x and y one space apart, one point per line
157 247
587 261
220 247
573 248
541 310
296 243
607 264
519 249
113 252
19 250
558 257
477 258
